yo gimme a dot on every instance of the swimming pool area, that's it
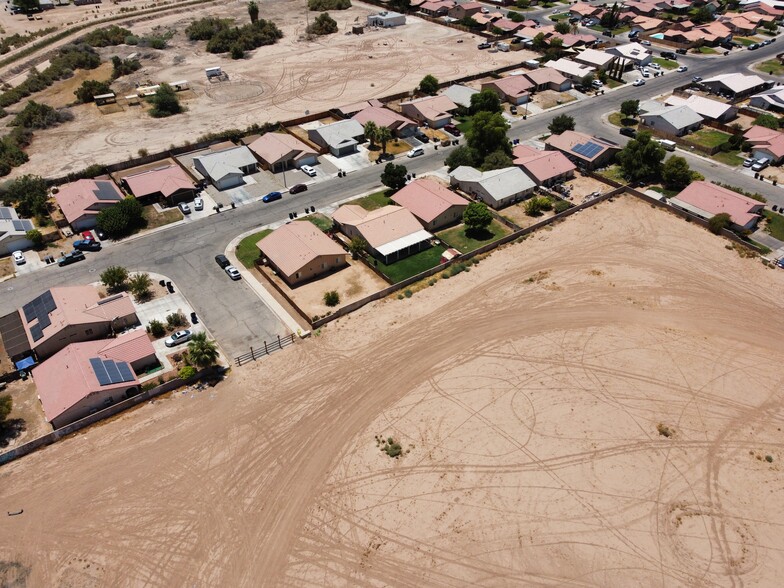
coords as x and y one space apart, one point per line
657 36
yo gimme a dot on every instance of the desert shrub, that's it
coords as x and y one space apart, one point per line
561 206
719 222
221 37
107 36
90 88
176 319
322 5
36 115
664 430
323 25
165 102
123 67
186 372
156 328
408 293
205 29
331 298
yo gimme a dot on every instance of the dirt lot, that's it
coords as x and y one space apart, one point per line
274 83
549 98
27 420
583 185
516 214
534 394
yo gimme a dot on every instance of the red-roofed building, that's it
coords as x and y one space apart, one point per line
436 111
766 142
170 184
281 151
513 89
546 168
706 200
740 24
505 25
81 201
584 10
436 7
460 11
384 117
86 377
434 205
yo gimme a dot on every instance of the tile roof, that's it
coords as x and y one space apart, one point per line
705 107
765 138
381 226
594 57
223 163
166 180
736 82
294 245
567 140
515 86
571 68
427 199
272 147
86 197
545 75
542 165
383 117
714 200
432 107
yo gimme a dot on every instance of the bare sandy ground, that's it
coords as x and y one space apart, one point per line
275 83
529 393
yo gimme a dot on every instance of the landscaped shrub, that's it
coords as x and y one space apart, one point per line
186 372
561 206
176 319
156 328
323 25
331 298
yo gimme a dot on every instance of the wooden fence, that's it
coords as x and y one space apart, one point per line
265 349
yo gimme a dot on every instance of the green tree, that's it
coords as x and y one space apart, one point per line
485 101
630 108
463 155
36 115
676 173
90 88
253 11
536 205
767 120
331 298
497 160
394 176
771 26
321 5
201 351
702 15
35 236
609 19
563 27
323 25
587 80
384 137
356 246
156 328
28 194
642 158
187 372
428 85
237 52
400 5
515 16
122 218
27 5
476 217
469 22
719 222
539 42
165 102
139 285
371 133
6 404
114 277
488 134
561 123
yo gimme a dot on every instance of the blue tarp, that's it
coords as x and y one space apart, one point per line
27 362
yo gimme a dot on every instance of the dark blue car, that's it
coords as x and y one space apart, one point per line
87 245
272 197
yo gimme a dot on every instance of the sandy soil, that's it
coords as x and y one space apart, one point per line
582 186
27 419
274 83
516 214
530 393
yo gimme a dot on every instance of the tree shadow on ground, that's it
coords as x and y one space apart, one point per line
11 429
479 234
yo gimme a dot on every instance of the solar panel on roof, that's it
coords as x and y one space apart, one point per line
5 213
100 371
105 191
44 321
125 371
48 299
29 311
111 369
18 225
36 333
27 225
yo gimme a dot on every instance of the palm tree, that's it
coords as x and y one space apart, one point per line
383 136
201 351
253 11
371 132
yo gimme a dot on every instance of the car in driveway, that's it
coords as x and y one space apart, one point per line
645 72
654 66
597 84
669 55
19 258
272 197
297 188
452 130
198 203
682 68
222 261
232 272
87 245
308 171
178 338
513 109
760 164
184 208
88 236
638 82
628 132
749 161
421 137
70 258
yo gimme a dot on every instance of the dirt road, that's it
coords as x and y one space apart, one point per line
534 396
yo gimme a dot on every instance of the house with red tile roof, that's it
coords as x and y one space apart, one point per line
505 25
436 7
434 205
281 151
169 183
740 24
547 78
351 109
546 168
400 125
584 10
82 200
646 24
86 377
706 200
392 232
436 111
766 142
460 11
300 252
512 89
586 151
571 40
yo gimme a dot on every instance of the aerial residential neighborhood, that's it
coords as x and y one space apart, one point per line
322 288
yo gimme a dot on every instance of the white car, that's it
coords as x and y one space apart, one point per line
655 66
645 72
198 203
233 272
682 68
645 43
184 208
415 152
638 82
178 338
597 84
19 258
761 164
307 170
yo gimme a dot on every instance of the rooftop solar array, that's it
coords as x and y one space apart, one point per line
22 225
36 332
588 150
105 191
111 372
39 310
5 213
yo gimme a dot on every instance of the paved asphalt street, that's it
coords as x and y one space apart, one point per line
235 315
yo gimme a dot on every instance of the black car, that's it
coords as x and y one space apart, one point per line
87 245
71 257
222 260
422 137
452 130
669 55
297 188
681 51
628 132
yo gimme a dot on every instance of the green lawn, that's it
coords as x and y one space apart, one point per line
775 224
745 41
411 265
664 191
708 138
322 222
247 252
729 158
707 50
771 66
559 16
154 219
617 119
456 237
665 63
611 83
372 201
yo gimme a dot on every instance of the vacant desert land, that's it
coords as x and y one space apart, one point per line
531 393
274 83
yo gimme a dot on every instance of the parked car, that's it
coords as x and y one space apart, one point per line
696 79
297 188
19 258
222 260
638 82
184 208
761 164
484 45
634 34
597 84
513 109
415 152
655 66
198 203
308 171
452 130
668 55
87 245
682 68
420 136
272 197
233 272
88 236
748 162
645 43
645 72
754 46
780 263
178 338
70 258
628 132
